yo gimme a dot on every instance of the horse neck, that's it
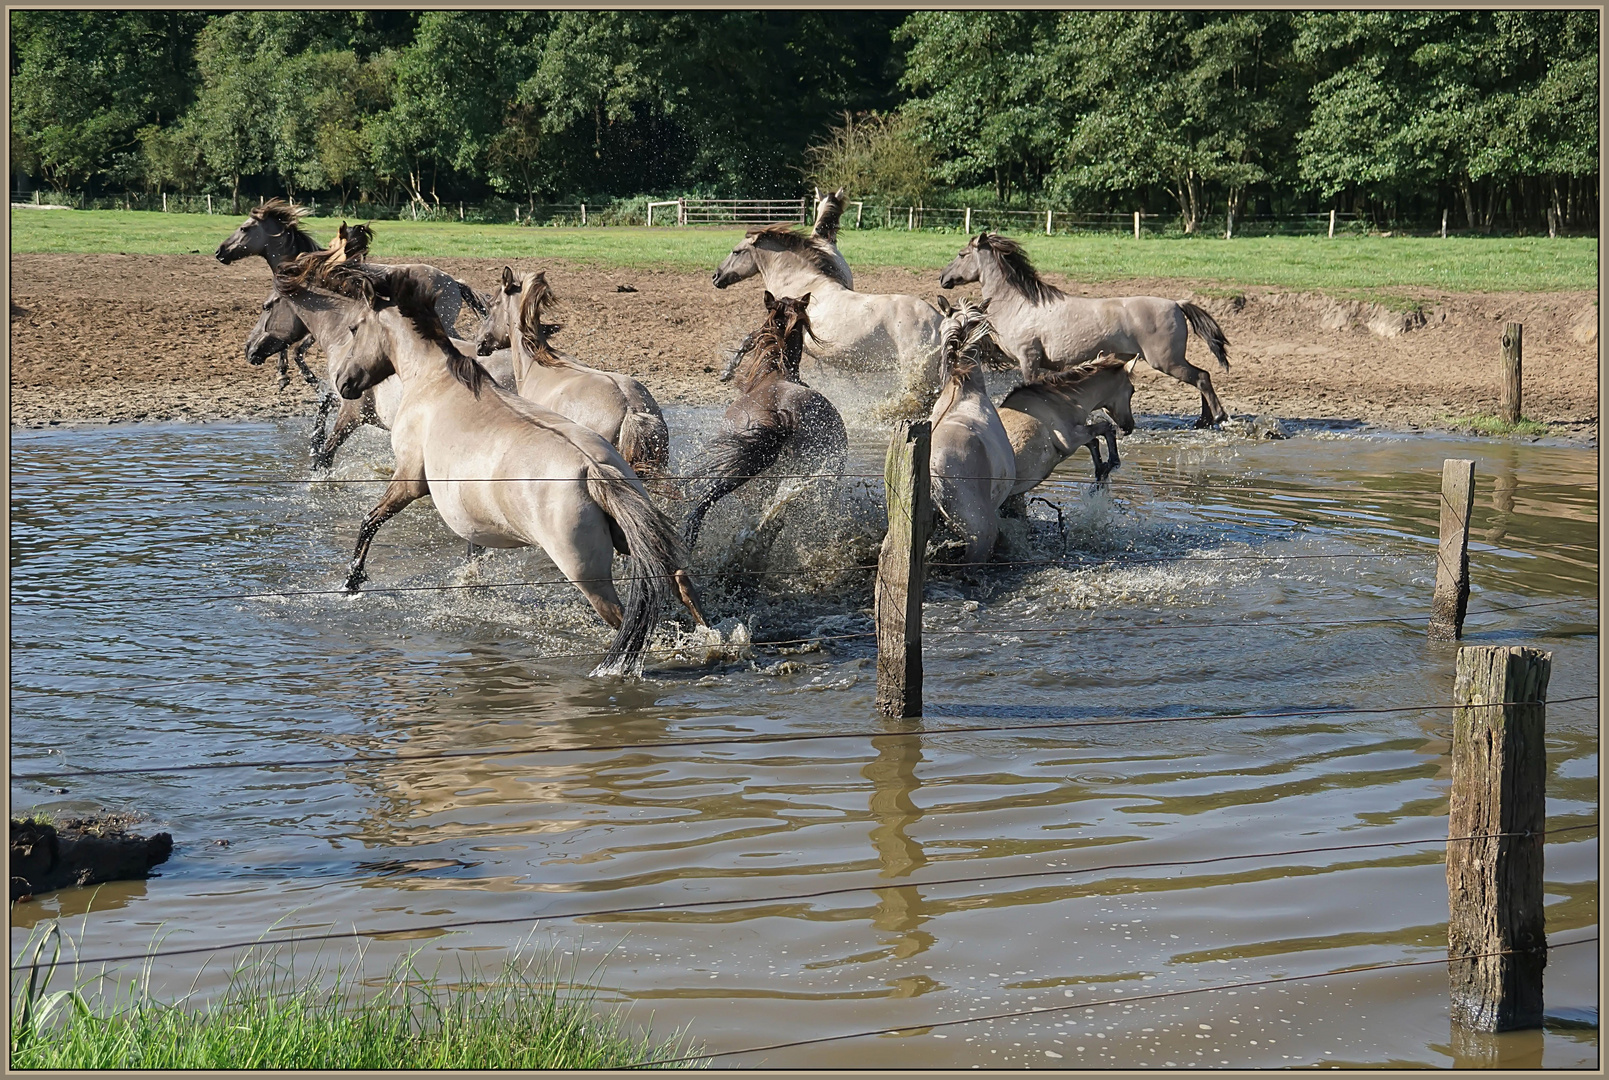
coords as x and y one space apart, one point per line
282 246
998 289
419 363
956 390
786 274
1096 391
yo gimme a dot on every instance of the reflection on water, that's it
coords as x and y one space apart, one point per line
472 772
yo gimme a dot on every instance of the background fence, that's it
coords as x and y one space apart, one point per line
685 211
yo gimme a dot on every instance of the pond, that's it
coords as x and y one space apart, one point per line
432 752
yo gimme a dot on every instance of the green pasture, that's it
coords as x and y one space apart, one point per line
1376 266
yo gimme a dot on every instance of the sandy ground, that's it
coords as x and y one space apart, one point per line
102 339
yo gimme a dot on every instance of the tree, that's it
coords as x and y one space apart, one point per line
874 154
85 83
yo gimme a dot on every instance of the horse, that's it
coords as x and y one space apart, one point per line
1048 419
274 231
1043 327
971 465
616 406
856 331
775 411
502 471
829 210
279 326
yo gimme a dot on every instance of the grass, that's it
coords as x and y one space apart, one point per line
1384 268
525 1018
1492 424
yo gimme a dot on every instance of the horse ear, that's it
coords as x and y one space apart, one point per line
341 232
839 193
509 282
1129 367
804 301
943 304
770 301
983 305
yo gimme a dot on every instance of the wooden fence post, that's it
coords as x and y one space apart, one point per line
901 569
910 218
1229 225
1494 884
966 226
1136 224
1048 213
1332 224
1451 598
1444 224
1513 335
209 204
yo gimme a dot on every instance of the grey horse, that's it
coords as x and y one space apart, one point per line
1044 328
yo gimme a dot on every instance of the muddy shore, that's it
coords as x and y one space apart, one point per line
110 339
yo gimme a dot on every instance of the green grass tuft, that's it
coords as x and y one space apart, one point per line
1384 267
527 1017
1492 424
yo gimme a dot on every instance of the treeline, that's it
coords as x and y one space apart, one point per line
1394 114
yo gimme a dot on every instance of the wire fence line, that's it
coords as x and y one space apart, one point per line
762 740
100 597
1416 616
1122 481
814 894
1127 999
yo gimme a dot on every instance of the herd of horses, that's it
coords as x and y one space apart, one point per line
520 444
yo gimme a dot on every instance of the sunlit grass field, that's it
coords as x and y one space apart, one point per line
1345 264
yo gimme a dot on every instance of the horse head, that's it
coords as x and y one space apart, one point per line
965 339
1113 387
277 327
738 266
963 269
341 302
786 324
272 230
494 333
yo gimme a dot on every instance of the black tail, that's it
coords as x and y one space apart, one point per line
732 459
477 302
1207 329
654 553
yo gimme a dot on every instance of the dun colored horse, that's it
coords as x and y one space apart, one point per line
616 406
972 466
1044 328
501 471
1050 418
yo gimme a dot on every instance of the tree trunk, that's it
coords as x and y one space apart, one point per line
236 200
1469 203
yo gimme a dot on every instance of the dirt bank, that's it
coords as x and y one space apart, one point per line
81 851
123 338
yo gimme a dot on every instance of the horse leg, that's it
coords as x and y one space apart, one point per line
475 551
737 358
689 595
398 494
719 489
1173 363
284 374
301 362
319 418
591 571
348 420
1033 359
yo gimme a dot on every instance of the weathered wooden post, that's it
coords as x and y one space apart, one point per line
966 223
1332 224
1048 213
910 218
164 202
859 206
583 213
901 568
1136 224
209 204
1513 335
1451 598
1494 883
681 211
1444 224
1229 225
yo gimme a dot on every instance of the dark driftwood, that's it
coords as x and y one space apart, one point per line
901 569
1494 885
81 852
1451 598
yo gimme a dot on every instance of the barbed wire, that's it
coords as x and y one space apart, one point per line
758 740
662 908
1127 999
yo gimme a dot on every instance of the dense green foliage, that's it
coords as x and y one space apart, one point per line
1394 114
1368 267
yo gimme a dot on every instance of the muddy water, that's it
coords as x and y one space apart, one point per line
1221 578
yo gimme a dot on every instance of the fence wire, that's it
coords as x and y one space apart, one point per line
759 740
814 894
1127 999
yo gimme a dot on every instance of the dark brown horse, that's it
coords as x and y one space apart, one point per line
775 412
